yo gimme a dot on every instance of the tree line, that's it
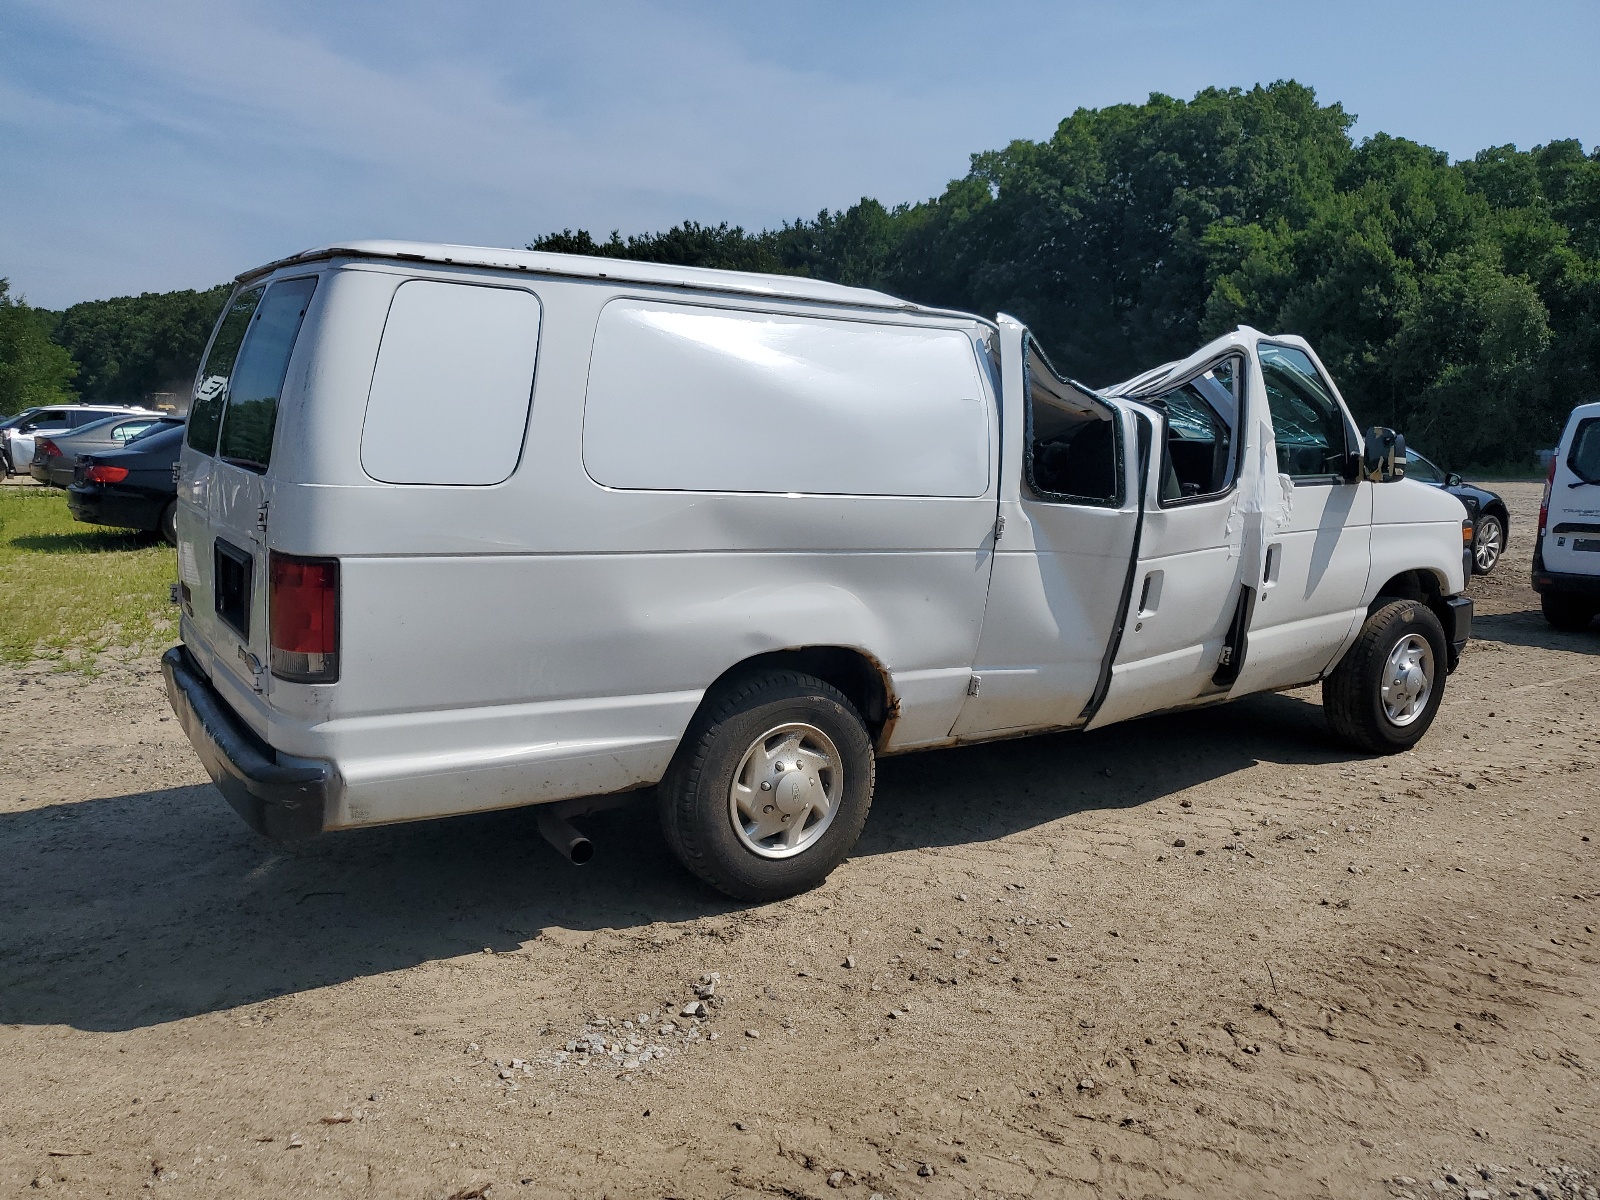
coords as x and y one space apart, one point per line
119 351
1458 302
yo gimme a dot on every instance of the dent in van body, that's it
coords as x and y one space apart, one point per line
547 637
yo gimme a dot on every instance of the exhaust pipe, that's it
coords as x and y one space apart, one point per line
569 843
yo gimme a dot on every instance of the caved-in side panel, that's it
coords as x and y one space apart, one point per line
690 398
464 670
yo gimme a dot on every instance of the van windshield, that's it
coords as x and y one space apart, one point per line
205 413
257 380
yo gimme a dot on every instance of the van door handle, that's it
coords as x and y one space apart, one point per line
1150 596
1269 569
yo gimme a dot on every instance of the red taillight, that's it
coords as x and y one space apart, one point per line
105 474
1549 483
46 449
303 605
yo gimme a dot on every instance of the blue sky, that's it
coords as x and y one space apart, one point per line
156 144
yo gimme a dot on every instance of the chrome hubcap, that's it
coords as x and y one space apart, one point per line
1486 544
786 790
1407 679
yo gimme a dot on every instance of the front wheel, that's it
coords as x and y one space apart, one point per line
1570 614
1385 692
169 523
1488 542
770 788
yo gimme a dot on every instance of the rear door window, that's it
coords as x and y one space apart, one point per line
50 419
205 414
252 409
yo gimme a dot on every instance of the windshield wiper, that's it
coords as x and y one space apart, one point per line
1585 483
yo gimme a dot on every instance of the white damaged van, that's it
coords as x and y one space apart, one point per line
464 529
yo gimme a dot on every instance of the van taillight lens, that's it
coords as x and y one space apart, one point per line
1544 505
105 474
304 609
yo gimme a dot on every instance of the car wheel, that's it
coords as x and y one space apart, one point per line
169 523
1488 541
1385 692
770 787
1570 614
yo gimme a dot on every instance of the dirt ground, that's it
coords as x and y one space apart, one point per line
1204 955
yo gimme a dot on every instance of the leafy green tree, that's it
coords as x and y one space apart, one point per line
130 347
33 370
1459 302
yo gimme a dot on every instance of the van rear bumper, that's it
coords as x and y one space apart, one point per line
1566 583
280 797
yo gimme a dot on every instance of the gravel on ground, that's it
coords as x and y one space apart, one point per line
1210 954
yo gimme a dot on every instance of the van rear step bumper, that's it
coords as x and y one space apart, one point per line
280 797
1566 583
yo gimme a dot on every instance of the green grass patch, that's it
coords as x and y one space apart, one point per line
69 592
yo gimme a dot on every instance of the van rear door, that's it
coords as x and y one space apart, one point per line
1572 525
226 500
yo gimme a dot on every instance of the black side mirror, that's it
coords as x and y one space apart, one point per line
1453 480
1383 455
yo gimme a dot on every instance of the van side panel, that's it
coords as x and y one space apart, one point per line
692 398
548 637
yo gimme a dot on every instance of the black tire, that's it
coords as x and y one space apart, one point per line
1488 543
1566 612
697 809
169 523
1352 696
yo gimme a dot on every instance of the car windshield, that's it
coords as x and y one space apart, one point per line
1421 469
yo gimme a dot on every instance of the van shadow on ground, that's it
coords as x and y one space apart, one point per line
139 909
1529 628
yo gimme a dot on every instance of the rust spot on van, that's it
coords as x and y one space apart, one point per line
891 703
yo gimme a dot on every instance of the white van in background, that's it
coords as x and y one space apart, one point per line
736 535
1566 555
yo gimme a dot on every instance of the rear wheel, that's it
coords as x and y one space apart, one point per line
1567 612
1488 541
1385 692
770 788
169 523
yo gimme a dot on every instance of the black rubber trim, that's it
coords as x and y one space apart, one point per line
1238 639
1146 435
285 801
1457 621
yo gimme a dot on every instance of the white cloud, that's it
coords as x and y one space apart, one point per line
171 142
